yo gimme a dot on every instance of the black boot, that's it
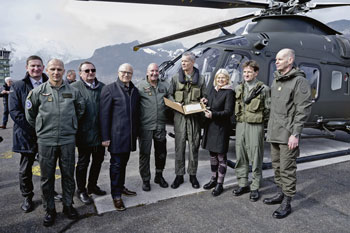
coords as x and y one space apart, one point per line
211 184
218 190
194 182
277 199
179 179
159 179
27 205
284 210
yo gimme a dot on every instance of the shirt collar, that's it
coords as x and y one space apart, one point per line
36 83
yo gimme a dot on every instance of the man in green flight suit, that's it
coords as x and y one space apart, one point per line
290 109
152 126
251 110
187 87
53 109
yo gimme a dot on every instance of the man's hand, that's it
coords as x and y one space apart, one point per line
208 114
204 100
106 143
293 142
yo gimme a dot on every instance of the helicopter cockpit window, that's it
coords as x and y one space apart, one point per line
206 60
313 76
234 65
336 80
237 41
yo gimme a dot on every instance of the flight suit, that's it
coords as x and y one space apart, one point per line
152 126
250 132
54 113
187 90
290 109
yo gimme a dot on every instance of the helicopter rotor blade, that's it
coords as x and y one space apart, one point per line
198 30
323 5
219 4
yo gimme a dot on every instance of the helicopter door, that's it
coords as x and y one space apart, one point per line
234 67
313 76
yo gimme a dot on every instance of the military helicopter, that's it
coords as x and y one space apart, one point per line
321 52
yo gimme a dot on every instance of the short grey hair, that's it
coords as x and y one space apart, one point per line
124 64
8 79
190 55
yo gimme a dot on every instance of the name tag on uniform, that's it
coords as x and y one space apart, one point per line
67 95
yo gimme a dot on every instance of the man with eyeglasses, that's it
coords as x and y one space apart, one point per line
119 116
88 139
53 109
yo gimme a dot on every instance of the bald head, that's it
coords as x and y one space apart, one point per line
125 72
55 71
284 60
153 74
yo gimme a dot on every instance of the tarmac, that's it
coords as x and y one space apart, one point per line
320 205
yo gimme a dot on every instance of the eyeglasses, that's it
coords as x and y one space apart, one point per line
125 72
88 71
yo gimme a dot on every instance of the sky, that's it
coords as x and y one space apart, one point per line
74 29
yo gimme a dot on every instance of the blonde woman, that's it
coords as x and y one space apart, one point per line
217 129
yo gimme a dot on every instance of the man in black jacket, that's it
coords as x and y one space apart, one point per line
119 115
24 137
5 95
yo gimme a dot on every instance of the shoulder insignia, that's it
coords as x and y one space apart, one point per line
304 88
28 104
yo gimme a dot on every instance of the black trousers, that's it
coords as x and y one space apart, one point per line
117 170
26 174
97 153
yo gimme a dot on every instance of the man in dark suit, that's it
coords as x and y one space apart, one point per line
119 104
24 137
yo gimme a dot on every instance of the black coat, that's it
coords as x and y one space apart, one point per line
119 116
217 129
24 137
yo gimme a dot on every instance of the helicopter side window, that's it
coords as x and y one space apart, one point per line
234 65
272 70
336 80
313 77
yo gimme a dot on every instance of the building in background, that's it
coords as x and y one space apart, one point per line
4 65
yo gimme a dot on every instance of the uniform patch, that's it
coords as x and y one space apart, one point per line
49 99
304 88
279 88
67 95
29 104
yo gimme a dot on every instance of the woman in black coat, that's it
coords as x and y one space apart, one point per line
217 129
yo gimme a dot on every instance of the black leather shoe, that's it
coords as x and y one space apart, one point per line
211 184
277 199
146 186
49 218
97 191
70 212
85 198
241 190
218 190
254 195
159 179
57 197
177 182
128 192
284 210
27 205
194 182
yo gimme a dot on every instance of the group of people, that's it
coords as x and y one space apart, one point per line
53 116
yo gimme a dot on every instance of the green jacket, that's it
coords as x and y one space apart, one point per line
187 91
89 134
257 111
152 107
290 105
54 113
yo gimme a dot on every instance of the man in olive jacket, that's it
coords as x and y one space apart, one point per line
152 126
119 117
187 87
88 139
290 109
53 109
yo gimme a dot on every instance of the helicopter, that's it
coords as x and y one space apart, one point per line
321 52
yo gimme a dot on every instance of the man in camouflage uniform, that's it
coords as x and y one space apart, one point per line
187 87
251 110
152 126
53 109
290 109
